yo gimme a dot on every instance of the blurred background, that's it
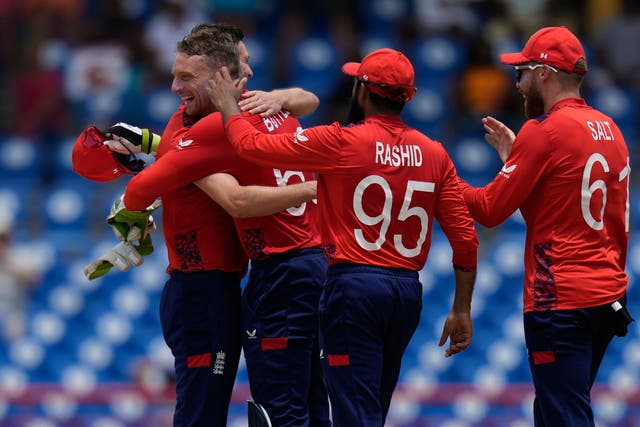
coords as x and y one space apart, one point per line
90 354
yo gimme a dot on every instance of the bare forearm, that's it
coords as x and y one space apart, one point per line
253 200
256 200
464 289
299 101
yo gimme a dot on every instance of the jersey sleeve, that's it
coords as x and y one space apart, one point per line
493 204
198 152
455 221
314 149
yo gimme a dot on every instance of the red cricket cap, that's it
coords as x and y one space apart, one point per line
92 159
554 46
389 72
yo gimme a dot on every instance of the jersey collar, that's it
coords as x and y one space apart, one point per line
574 102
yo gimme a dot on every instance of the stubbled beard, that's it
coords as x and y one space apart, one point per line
533 104
356 114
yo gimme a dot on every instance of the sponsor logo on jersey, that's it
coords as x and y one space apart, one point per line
321 353
251 334
299 136
182 144
506 171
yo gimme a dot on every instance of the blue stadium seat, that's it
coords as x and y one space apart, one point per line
475 161
259 48
67 206
315 65
160 104
427 112
20 158
62 162
17 196
382 15
620 103
374 40
437 59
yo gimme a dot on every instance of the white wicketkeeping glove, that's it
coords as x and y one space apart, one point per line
122 256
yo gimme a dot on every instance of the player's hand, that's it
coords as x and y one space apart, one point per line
499 136
223 91
259 102
127 139
128 225
122 256
121 145
458 328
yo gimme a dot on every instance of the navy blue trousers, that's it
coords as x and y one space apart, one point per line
280 337
565 349
200 318
367 317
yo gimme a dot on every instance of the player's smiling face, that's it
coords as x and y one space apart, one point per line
190 77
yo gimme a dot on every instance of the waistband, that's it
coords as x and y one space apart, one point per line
283 256
335 270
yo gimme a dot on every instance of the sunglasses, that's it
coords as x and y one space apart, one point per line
531 67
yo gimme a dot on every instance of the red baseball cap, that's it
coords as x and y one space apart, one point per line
389 72
92 159
554 46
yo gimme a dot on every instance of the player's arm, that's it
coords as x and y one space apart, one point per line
254 200
298 101
493 204
458 327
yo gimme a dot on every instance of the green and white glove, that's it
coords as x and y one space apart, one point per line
122 256
131 225
134 139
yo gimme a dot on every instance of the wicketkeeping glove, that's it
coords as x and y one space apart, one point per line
121 256
143 138
131 225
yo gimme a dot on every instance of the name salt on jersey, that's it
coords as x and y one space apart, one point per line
600 131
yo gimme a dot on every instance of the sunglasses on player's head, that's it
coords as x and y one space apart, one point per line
531 67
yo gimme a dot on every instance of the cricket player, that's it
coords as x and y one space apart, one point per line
200 306
568 172
380 186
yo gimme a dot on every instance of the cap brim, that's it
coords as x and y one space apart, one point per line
513 58
351 68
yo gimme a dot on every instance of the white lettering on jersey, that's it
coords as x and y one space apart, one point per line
398 155
600 131
273 122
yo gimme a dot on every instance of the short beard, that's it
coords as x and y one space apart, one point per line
533 104
356 114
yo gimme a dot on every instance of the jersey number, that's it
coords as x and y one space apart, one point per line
384 218
282 179
598 184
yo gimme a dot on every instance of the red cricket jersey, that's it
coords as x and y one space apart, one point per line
263 236
568 172
198 233
204 150
380 186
